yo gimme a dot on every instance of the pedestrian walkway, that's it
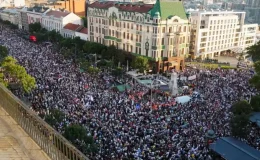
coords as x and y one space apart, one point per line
15 144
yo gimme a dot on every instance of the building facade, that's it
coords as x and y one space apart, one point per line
160 30
77 7
35 14
216 32
56 20
10 15
23 19
71 30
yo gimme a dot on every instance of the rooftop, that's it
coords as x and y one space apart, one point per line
57 14
165 8
76 27
84 30
233 149
38 9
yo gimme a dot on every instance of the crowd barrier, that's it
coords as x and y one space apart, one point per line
50 141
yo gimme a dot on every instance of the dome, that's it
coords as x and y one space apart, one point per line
156 14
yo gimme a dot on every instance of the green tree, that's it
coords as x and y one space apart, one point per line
54 118
3 52
35 27
18 74
254 51
78 136
255 103
85 21
120 56
241 107
240 126
140 63
255 80
67 43
118 71
110 53
93 70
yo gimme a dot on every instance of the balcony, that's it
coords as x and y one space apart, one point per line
112 38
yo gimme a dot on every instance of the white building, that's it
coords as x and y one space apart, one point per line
73 30
154 30
12 3
35 14
207 2
10 15
56 20
216 32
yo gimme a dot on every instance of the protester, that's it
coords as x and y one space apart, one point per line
129 124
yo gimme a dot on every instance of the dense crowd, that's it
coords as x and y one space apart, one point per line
129 124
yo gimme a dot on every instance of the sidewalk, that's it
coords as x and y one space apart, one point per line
15 144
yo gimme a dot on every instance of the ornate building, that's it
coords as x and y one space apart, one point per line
160 31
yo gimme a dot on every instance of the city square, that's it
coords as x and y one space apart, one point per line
133 81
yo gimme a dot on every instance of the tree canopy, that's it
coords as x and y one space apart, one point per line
255 80
79 136
240 126
55 117
241 107
3 52
14 73
255 103
140 63
35 27
254 51
239 122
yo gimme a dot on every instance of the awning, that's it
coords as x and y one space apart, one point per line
232 149
122 88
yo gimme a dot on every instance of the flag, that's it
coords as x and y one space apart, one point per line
137 106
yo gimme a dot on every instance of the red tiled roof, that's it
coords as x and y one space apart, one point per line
71 26
57 14
141 8
84 30
102 5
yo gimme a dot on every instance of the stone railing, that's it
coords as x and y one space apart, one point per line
50 141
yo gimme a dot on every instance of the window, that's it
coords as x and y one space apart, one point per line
163 30
170 29
141 27
140 39
162 41
139 50
137 27
148 29
161 53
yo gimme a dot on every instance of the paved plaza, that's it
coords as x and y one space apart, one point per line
15 144
232 60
